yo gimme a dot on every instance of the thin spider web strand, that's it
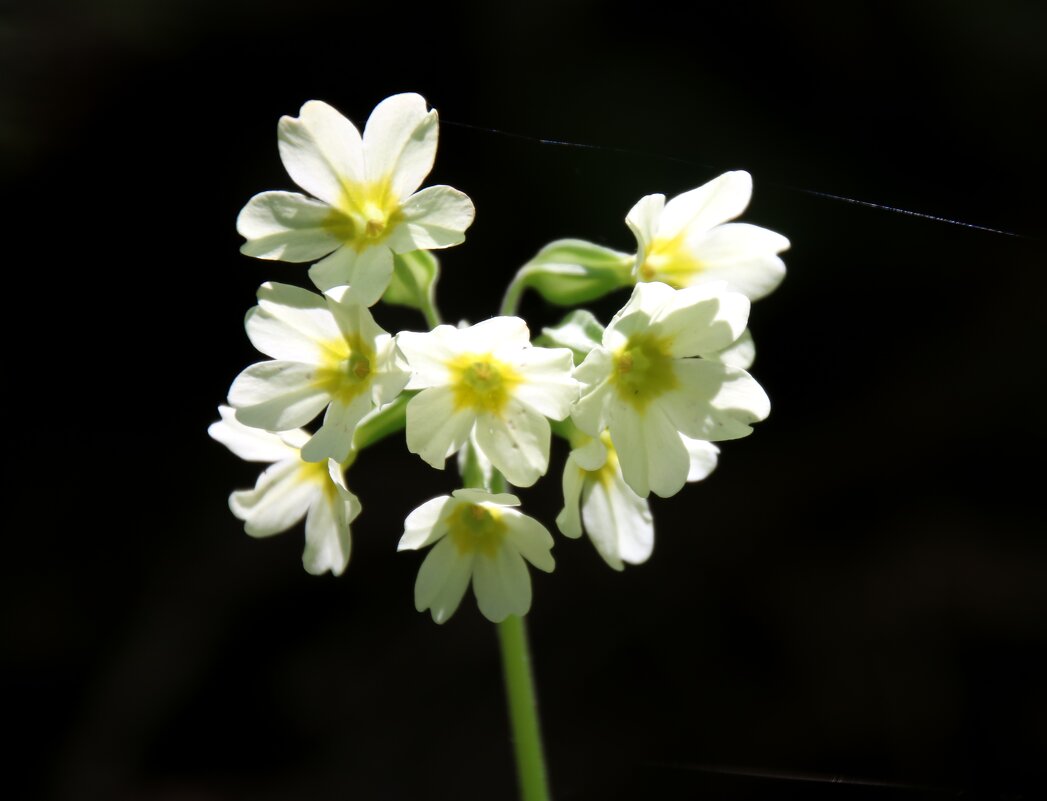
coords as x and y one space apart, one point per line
679 160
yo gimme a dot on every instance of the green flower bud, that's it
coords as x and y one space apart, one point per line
572 271
414 279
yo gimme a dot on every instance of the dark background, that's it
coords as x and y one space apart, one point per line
860 589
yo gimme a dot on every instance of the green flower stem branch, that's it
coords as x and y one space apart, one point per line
432 316
391 419
516 288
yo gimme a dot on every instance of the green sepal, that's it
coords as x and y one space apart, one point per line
579 330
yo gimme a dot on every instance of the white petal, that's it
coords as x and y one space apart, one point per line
569 520
530 538
667 458
627 436
642 220
650 452
517 443
479 496
371 274
645 304
589 412
548 387
293 438
334 469
435 428
703 318
277 395
740 353
285 226
601 526
293 324
368 273
715 401
442 580
327 543
334 439
618 522
743 255
434 218
302 310
335 270
428 355
422 527
279 499
250 444
592 455
721 199
703 456
498 335
321 151
502 584
351 314
400 142
390 377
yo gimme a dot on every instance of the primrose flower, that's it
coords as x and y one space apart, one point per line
480 537
617 520
328 353
688 240
365 207
643 384
486 380
289 490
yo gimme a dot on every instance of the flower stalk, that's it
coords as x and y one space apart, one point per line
523 709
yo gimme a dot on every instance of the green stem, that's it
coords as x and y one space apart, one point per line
523 709
513 292
472 473
391 419
428 309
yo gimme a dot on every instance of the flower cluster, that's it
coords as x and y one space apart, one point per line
640 401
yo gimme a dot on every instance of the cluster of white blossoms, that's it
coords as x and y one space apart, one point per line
640 402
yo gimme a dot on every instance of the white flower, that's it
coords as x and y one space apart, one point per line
289 490
689 241
617 520
328 352
486 380
477 536
642 385
366 206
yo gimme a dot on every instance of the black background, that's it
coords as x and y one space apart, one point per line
859 590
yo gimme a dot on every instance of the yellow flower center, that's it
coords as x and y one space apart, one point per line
347 367
643 369
476 529
317 473
670 261
482 383
364 214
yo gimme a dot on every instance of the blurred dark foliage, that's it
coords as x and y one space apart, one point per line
859 591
